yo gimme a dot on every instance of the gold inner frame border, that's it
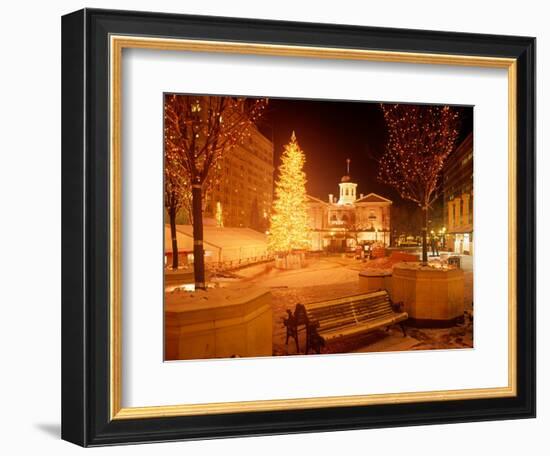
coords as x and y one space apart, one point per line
116 46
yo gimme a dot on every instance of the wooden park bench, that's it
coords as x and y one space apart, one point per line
327 320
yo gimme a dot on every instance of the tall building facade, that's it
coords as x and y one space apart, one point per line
458 193
349 220
241 191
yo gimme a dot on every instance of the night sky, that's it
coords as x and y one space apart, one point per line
331 131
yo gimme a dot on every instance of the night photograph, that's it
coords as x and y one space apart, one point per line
306 227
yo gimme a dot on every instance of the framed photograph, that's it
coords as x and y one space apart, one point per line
274 227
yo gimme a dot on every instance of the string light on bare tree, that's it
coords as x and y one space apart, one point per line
419 139
288 237
198 131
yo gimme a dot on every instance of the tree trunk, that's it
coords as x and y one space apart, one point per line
198 250
173 235
425 236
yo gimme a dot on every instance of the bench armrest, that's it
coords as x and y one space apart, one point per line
397 306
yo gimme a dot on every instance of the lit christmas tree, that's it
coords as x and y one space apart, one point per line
420 138
289 227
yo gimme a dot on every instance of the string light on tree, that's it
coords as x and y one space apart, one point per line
289 223
420 138
198 131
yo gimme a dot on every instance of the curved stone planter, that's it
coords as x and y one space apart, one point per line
431 297
374 280
218 324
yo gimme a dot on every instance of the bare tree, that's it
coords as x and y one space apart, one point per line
198 131
420 138
178 196
175 195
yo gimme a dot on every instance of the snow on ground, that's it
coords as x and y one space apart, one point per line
323 271
328 277
220 244
417 339
333 276
211 298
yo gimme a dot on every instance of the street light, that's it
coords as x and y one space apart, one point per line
442 236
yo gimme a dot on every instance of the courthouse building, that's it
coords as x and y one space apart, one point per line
241 192
349 220
458 192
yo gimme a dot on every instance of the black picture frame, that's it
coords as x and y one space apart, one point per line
85 228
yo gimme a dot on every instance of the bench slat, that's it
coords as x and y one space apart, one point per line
356 329
347 299
357 312
348 315
327 326
348 307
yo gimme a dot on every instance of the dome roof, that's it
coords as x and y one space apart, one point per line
345 178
